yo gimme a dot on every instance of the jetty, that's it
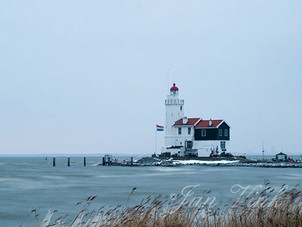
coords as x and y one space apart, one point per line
174 161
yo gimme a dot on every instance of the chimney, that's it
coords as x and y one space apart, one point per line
185 120
210 123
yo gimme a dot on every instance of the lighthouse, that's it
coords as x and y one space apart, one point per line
192 137
174 112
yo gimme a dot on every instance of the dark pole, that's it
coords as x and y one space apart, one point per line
104 161
68 161
84 161
109 163
54 161
131 161
262 151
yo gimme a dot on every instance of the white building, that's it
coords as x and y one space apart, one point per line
192 136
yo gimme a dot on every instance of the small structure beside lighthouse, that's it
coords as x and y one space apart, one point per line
192 136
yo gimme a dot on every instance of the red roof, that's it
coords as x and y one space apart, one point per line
174 88
206 123
191 121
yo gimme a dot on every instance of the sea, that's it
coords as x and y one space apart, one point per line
30 186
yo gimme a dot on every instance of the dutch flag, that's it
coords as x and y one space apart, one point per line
159 128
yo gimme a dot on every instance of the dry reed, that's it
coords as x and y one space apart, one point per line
268 208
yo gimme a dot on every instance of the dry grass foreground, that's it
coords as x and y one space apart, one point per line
281 208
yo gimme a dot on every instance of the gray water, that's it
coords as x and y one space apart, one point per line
28 183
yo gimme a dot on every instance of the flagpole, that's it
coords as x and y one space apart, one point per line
155 139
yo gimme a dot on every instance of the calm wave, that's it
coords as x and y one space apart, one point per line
28 183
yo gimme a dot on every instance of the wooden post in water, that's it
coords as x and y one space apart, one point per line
68 161
54 161
104 161
131 161
84 161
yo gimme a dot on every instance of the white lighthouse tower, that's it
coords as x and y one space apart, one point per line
174 112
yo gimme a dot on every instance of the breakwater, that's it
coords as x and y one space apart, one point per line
231 162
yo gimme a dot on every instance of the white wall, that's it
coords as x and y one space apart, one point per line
204 147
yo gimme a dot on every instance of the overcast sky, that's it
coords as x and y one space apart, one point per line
91 76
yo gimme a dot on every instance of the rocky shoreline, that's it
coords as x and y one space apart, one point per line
232 162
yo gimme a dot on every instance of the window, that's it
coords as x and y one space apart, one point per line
189 131
180 107
220 132
222 145
179 131
203 133
226 132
